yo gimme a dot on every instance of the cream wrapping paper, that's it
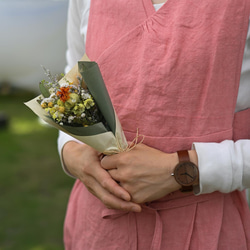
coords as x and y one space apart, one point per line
105 140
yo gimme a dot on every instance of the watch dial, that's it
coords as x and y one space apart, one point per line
186 173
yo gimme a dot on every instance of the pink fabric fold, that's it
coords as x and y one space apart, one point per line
174 75
213 221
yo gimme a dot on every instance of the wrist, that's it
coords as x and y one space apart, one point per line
186 172
68 148
194 158
69 153
172 160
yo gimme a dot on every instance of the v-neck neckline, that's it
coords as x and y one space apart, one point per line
157 6
149 7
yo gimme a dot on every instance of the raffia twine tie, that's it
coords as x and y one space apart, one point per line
129 147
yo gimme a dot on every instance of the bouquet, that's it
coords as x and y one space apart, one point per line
79 105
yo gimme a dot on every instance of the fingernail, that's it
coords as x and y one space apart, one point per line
125 197
136 209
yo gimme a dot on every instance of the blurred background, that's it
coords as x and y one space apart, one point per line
34 188
33 33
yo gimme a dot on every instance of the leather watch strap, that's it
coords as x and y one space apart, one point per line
183 155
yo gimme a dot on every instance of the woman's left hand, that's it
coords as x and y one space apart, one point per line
144 172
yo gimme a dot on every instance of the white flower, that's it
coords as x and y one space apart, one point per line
47 100
73 86
85 94
65 85
52 95
70 118
57 115
52 91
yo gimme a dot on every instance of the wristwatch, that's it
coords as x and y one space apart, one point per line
186 173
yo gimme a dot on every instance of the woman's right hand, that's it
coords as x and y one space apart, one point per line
83 162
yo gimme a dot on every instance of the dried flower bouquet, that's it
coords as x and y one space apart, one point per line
80 106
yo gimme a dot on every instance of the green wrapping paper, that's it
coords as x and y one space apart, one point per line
106 138
93 79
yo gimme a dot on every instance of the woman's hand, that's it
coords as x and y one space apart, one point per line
83 162
144 172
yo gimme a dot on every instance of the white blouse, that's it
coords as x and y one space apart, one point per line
223 166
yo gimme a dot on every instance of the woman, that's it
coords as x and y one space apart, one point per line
172 70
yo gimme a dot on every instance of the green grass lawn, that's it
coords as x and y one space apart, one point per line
34 188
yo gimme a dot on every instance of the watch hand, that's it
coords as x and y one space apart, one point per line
188 175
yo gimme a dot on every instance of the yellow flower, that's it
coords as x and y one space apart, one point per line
73 99
44 105
54 116
52 111
89 103
60 102
79 109
50 104
61 109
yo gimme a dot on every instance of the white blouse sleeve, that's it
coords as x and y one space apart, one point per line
76 38
224 166
77 22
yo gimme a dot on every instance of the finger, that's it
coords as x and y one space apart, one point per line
112 202
109 162
114 174
109 184
108 199
105 180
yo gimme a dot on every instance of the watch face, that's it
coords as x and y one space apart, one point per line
186 173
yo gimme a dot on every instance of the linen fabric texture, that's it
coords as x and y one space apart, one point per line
196 50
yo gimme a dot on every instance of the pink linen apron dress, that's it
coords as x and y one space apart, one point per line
174 74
